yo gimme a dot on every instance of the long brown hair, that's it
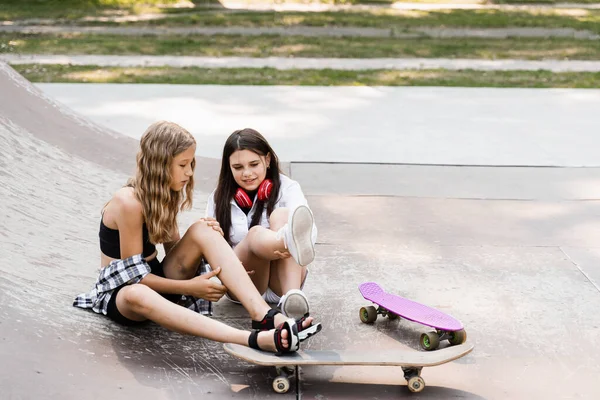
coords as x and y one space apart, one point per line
244 139
161 142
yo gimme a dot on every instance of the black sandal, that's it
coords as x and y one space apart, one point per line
293 339
305 333
268 321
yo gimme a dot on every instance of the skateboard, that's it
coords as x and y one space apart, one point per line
412 362
394 306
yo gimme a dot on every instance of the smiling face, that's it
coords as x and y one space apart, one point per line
248 168
181 168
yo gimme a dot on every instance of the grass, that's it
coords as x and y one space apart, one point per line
540 1
296 46
73 9
269 76
398 20
395 20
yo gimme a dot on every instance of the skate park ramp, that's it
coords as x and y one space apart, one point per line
511 252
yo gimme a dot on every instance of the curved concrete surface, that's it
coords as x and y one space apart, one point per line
522 276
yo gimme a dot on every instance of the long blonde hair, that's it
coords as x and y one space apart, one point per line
161 142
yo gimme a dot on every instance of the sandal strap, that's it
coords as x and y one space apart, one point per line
305 333
309 331
299 322
293 339
268 321
253 340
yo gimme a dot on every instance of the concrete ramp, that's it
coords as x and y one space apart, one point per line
56 171
25 107
513 254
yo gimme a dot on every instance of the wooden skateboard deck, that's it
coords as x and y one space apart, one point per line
411 361
393 306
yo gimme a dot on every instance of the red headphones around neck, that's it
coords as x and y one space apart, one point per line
264 191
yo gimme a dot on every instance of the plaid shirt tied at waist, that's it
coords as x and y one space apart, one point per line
127 272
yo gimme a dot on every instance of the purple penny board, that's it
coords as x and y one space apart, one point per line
409 309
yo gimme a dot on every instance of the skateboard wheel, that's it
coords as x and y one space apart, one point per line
368 314
429 341
458 337
392 316
281 384
416 384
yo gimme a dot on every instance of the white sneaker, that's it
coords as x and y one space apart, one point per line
294 304
297 235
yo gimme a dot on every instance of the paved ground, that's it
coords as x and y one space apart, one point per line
284 63
522 274
415 125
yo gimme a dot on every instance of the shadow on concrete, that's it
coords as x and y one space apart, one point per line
328 390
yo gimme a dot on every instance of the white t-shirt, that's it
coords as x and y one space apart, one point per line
290 196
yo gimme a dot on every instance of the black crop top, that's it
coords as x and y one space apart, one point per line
111 246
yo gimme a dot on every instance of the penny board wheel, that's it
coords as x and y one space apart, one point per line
368 314
458 337
429 341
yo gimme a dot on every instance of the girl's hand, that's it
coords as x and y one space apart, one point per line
205 288
282 254
214 224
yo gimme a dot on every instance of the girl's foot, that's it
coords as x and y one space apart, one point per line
297 235
282 340
294 304
274 318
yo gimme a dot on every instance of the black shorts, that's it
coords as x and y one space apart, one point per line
112 311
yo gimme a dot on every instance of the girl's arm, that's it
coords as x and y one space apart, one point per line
292 196
210 207
210 215
187 287
130 220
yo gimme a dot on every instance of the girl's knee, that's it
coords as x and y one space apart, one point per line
200 231
278 218
254 231
252 239
136 297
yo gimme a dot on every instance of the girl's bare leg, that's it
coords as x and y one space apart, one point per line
201 241
138 302
252 262
257 251
285 274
